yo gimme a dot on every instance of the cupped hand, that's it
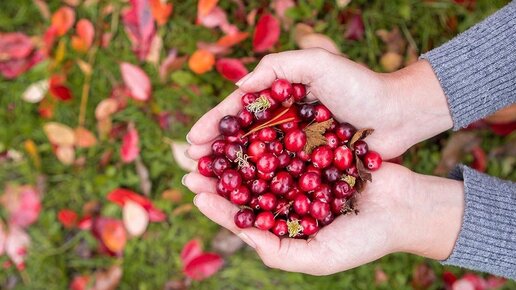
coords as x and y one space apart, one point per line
398 211
352 92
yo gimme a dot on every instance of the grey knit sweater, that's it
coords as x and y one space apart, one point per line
477 71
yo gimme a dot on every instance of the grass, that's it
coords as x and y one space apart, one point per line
148 263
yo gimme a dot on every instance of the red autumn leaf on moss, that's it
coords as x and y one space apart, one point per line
67 217
62 20
23 204
203 266
503 129
232 39
58 89
136 81
17 54
204 7
111 235
130 145
119 196
449 278
139 26
266 34
218 18
494 282
80 282
191 250
161 11
231 68
479 159
83 38
354 27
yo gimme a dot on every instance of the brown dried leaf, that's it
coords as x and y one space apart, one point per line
314 135
360 134
174 195
182 209
422 277
108 280
362 171
458 144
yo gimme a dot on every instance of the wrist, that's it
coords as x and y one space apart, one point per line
423 106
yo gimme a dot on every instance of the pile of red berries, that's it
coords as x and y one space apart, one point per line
290 167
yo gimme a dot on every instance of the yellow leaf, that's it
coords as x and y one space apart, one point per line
59 134
32 150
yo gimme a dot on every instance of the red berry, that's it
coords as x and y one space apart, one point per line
218 147
284 159
295 140
296 167
280 228
248 172
309 225
342 189
319 209
267 163
282 207
322 113
254 203
372 160
230 179
345 131
253 137
301 204
312 168
281 90
231 150
267 201
281 183
303 155
343 157
237 138
245 118
322 156
256 150
205 166
229 125
264 115
327 220
267 94
292 193
298 92
337 205
309 181
288 102
244 218
267 134
323 193
264 220
247 99
285 127
331 174
265 176
332 140
222 190
307 112
240 196
220 164
259 186
353 171
361 148
275 146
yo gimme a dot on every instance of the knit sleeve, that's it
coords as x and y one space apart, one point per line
487 239
477 69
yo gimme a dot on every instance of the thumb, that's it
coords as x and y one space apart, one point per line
297 66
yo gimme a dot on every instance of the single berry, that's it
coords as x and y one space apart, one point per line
264 220
281 183
244 218
281 90
323 193
264 115
319 209
280 228
303 156
301 204
332 140
337 205
322 156
284 159
312 168
253 137
248 172
307 112
327 220
342 189
309 225
309 181
222 189
229 125
298 92
205 166
285 127
254 203
296 167
288 102
292 193
267 163
295 140
237 138
232 151
331 174
343 157
259 186
273 102
267 201
275 146
217 148
220 164
267 134
353 171
265 176
372 160
322 113
247 99
345 131
282 207
240 196
245 118
230 179
256 150
361 148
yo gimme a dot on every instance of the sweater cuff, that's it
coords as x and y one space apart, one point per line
487 239
477 69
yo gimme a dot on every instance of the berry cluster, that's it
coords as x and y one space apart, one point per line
290 167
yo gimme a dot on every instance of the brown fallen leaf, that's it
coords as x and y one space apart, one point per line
226 243
314 135
59 134
362 171
393 39
360 134
174 195
109 279
182 209
458 144
422 277
379 276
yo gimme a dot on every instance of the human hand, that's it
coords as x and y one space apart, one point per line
400 211
404 107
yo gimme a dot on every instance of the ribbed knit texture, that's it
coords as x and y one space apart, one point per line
487 239
477 69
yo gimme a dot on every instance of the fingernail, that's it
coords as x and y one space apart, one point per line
183 179
196 200
247 240
244 79
188 139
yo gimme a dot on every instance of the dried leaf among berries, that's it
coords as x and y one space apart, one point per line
314 135
360 134
362 171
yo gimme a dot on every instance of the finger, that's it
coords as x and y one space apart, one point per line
207 127
295 66
197 182
195 152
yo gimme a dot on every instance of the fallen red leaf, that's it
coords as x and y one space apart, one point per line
58 89
494 282
85 33
203 266
62 20
354 27
266 34
449 278
17 54
201 61
120 195
191 250
172 62
136 81
79 282
67 217
130 149
23 204
139 26
231 68
204 7
113 235
503 129
161 11
479 159
232 39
